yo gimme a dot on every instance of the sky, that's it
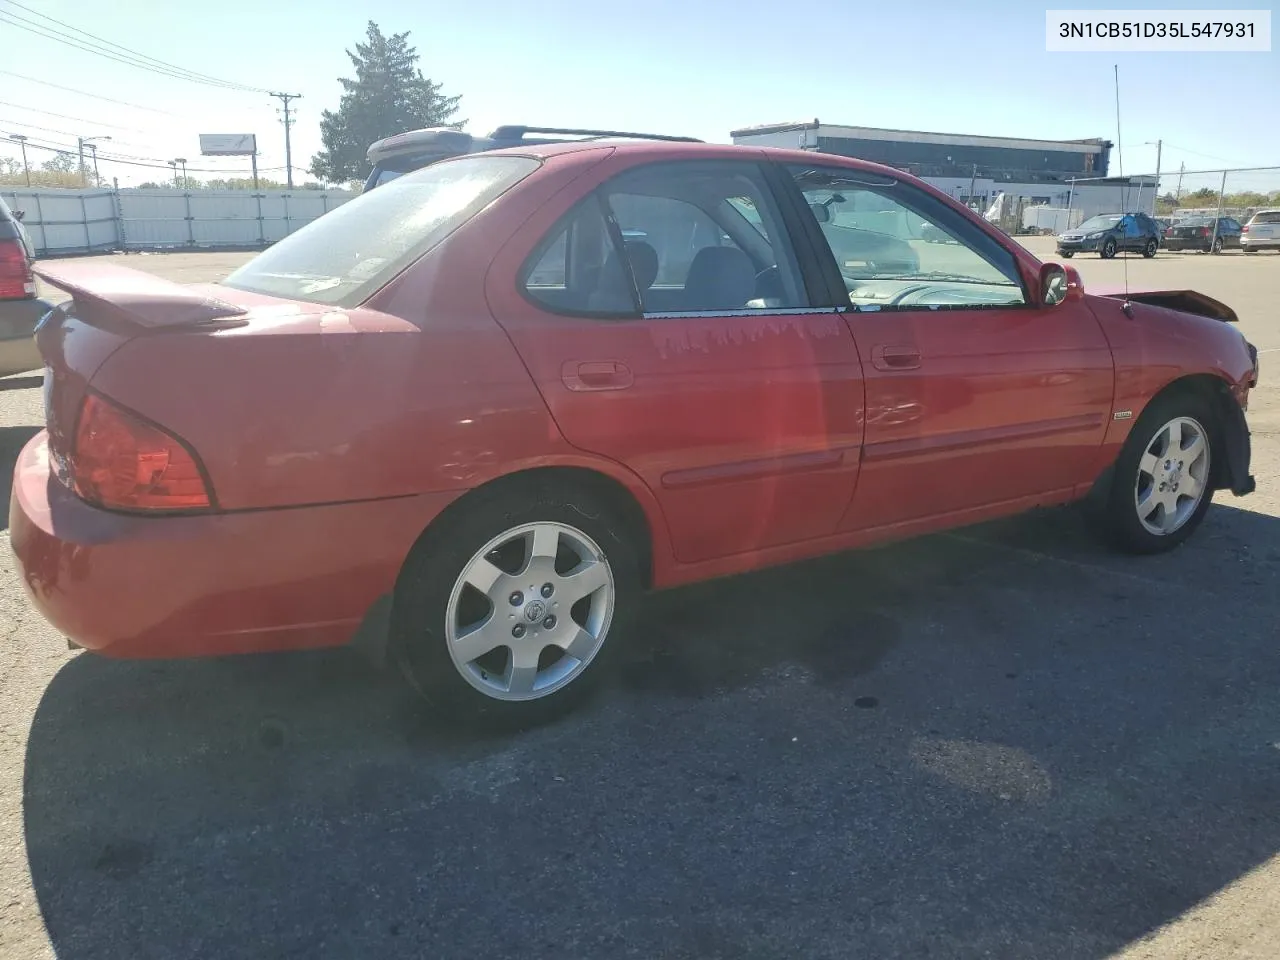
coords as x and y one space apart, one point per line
692 67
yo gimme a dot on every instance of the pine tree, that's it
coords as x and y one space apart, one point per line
389 95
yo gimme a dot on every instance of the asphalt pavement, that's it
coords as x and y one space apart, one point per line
1004 741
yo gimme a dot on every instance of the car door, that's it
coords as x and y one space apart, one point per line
693 356
1131 233
975 395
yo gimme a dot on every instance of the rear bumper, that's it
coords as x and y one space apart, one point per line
1187 243
1265 243
253 581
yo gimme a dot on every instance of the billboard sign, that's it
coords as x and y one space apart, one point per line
228 144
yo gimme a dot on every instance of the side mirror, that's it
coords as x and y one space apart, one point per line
1059 284
821 212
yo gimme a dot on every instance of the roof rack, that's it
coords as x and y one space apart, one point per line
517 132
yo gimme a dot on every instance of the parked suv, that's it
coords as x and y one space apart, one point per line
1109 233
400 154
20 310
1262 232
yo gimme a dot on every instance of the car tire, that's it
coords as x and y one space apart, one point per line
490 541
1142 516
1067 254
1108 249
1249 250
1150 249
1217 245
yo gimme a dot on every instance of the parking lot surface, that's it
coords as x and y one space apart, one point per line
999 742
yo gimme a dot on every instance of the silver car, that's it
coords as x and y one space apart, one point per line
1262 232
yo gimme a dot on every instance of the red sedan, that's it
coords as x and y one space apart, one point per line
479 410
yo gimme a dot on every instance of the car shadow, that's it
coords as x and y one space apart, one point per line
1000 742
20 383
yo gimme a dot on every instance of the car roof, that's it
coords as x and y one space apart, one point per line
660 150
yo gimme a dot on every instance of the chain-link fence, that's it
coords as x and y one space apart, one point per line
1187 203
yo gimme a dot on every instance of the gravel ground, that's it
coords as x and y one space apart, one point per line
999 742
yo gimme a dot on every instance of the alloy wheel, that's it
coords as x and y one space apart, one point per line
530 611
1173 476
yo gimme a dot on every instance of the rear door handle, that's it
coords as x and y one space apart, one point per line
582 375
889 357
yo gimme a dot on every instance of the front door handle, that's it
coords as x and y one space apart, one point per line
890 357
579 375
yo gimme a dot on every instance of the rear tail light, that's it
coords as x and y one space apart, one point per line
121 461
16 280
1204 231
1245 228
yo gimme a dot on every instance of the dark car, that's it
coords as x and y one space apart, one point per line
1198 233
1110 233
405 152
20 310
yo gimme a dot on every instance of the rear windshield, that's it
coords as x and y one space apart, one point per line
346 255
1271 216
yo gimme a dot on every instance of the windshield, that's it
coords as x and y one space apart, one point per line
1101 223
345 255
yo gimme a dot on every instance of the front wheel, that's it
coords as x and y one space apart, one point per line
512 610
1108 249
1149 250
1067 254
1162 487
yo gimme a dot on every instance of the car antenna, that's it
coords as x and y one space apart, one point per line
1126 306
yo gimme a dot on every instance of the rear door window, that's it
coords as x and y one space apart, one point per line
670 238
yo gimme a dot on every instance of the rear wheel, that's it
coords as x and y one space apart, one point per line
1149 250
1217 245
1108 249
511 611
1162 486
1067 254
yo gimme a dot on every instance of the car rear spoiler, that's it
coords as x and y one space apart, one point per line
1185 301
106 292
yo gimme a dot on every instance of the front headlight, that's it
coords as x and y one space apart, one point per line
1093 236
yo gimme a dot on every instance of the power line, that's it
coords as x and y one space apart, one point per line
152 163
95 96
129 51
64 116
102 48
65 133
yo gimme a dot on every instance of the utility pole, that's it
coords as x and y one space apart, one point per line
284 98
183 161
972 183
174 164
80 144
1181 169
22 141
96 179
